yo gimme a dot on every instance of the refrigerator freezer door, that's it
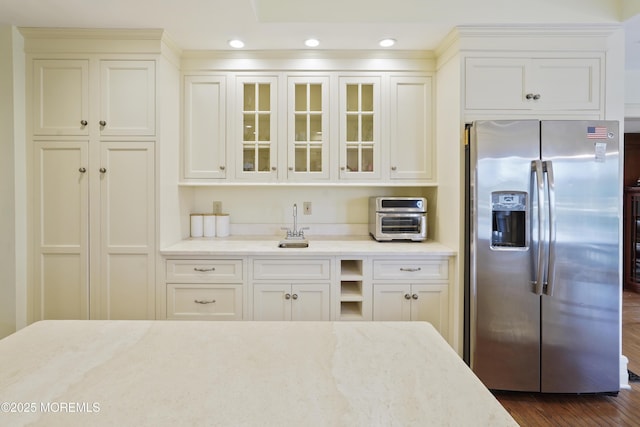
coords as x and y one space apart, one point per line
505 311
580 321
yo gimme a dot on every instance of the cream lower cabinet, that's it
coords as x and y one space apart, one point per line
291 302
407 290
291 289
205 289
94 217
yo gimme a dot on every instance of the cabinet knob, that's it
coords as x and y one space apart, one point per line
222 168
82 170
103 123
273 168
83 122
407 296
294 296
536 96
103 170
287 296
529 96
342 168
393 168
290 168
414 296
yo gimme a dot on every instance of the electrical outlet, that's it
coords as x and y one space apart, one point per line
217 207
306 207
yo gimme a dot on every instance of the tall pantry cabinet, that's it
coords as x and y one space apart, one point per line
92 123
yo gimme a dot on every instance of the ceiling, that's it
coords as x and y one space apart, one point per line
338 24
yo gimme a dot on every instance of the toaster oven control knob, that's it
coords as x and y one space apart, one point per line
407 296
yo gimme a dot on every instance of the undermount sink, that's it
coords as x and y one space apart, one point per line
291 243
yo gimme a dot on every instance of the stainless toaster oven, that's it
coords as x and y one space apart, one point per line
398 218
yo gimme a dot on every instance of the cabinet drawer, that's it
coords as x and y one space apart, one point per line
410 270
291 269
201 302
204 271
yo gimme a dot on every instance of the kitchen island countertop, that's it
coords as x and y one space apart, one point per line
173 373
320 245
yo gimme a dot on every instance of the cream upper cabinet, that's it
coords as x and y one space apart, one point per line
411 153
60 89
127 98
204 127
256 128
308 128
360 133
539 84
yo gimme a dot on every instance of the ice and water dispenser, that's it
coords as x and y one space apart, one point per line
509 216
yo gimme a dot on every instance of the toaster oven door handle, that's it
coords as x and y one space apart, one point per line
423 225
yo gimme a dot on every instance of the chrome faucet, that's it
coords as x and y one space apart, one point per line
295 233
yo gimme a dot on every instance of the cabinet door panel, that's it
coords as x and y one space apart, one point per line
310 302
411 154
390 302
204 127
430 303
270 302
60 97
128 98
495 83
566 84
127 227
61 227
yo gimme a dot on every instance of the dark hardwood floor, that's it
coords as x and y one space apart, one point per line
529 409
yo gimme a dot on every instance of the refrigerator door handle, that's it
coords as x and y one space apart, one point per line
551 263
538 280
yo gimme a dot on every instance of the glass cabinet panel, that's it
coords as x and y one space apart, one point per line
308 145
359 128
258 149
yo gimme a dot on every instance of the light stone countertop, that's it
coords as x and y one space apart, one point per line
320 245
197 373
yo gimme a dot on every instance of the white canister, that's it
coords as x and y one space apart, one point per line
222 225
209 221
197 225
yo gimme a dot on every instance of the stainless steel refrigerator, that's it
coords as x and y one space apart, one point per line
544 255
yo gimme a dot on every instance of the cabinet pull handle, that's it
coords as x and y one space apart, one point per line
103 170
82 170
204 301
407 296
287 296
202 270
414 296
410 269
294 296
102 123
84 122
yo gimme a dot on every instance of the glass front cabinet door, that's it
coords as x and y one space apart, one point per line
308 135
360 128
256 151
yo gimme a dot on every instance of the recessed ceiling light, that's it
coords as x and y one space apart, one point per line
387 42
237 44
312 42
